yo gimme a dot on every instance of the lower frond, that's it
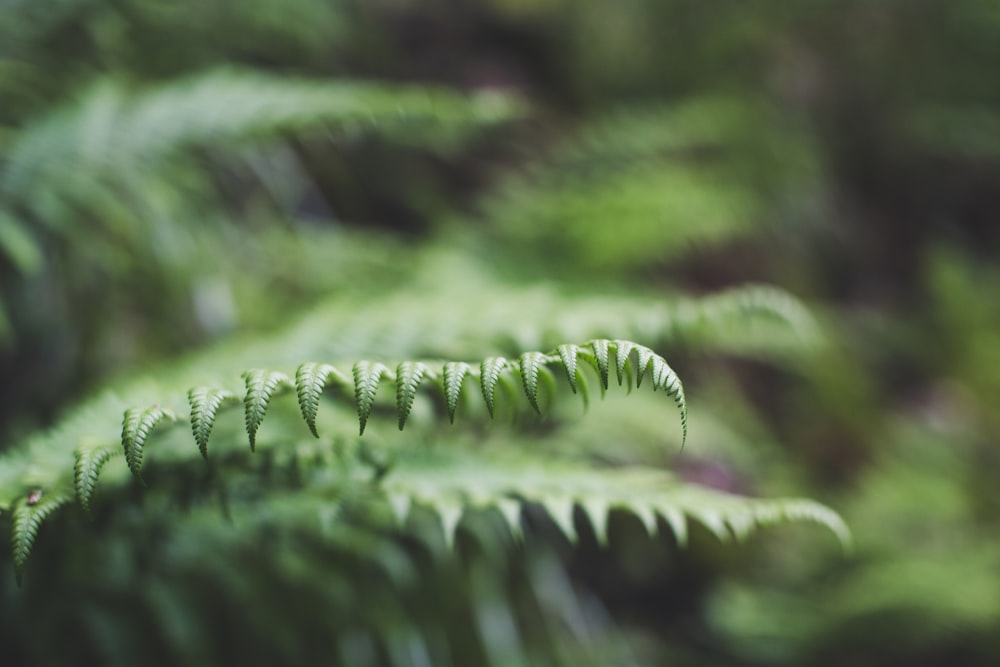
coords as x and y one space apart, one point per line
655 497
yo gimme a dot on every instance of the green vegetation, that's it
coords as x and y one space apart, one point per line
355 332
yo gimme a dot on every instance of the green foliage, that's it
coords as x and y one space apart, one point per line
262 385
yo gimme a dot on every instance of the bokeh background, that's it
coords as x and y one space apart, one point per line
168 181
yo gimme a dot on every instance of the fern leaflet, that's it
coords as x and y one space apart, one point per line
530 364
310 381
600 348
452 376
489 375
87 469
205 403
136 426
28 517
261 385
408 377
366 378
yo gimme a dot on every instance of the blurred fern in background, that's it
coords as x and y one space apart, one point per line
264 221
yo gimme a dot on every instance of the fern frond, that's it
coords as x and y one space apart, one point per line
87 469
136 427
205 403
453 375
561 486
109 129
530 364
489 374
310 380
27 518
600 359
568 354
408 377
366 378
261 385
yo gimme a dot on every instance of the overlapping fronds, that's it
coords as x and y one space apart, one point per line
320 389
637 187
532 373
112 130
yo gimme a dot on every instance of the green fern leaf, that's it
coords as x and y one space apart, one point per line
136 426
560 486
530 364
408 377
261 385
623 349
205 403
645 357
366 378
489 374
27 519
310 381
665 378
600 347
568 355
86 470
453 376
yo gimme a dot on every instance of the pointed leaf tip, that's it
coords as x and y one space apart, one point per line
86 470
136 427
205 403
408 377
311 379
261 385
27 519
623 349
601 351
530 363
490 370
366 378
453 375
568 355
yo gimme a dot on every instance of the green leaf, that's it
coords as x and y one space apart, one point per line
600 347
623 349
408 377
205 403
27 519
453 376
366 378
489 373
136 426
645 358
310 380
86 470
665 378
568 355
261 385
530 363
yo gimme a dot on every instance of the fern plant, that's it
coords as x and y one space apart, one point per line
414 436
361 449
539 379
